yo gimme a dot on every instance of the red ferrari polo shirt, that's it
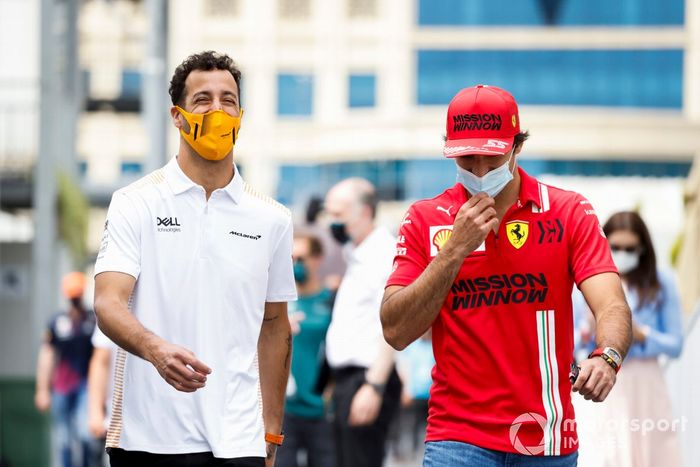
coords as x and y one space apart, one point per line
503 340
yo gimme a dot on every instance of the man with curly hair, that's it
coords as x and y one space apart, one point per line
192 282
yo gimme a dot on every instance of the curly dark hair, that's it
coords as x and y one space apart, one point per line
205 61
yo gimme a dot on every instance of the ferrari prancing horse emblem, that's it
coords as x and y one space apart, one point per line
517 233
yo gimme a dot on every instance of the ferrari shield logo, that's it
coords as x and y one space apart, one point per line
517 233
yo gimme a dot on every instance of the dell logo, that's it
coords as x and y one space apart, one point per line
167 222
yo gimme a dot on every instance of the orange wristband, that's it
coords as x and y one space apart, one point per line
274 439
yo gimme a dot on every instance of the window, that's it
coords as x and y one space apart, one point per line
558 12
362 89
605 167
128 99
218 8
131 84
428 177
294 9
617 78
131 168
298 183
294 95
362 8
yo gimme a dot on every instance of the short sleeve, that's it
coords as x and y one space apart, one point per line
120 250
589 253
100 341
280 282
51 331
411 258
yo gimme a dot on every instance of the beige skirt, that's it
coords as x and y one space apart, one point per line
634 426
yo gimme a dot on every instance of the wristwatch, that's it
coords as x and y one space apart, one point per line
611 356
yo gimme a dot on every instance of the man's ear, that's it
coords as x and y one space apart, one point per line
517 149
177 118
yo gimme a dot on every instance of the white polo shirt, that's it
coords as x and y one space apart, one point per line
356 331
204 271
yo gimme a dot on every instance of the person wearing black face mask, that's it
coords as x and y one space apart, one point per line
367 387
305 425
340 232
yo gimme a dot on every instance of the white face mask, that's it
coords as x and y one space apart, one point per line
625 261
492 183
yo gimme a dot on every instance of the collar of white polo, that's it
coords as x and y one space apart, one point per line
180 183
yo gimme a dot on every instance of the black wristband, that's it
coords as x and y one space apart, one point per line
378 388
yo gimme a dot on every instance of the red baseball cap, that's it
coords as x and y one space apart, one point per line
481 120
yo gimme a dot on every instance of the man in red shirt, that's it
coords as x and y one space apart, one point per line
490 264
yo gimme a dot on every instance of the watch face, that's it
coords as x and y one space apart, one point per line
613 354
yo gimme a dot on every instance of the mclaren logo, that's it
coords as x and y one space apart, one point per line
517 233
245 235
439 234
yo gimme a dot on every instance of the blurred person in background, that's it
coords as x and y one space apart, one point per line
367 386
306 427
99 387
490 264
61 375
333 264
415 364
192 282
607 438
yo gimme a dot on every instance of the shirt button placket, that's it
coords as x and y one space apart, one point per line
204 249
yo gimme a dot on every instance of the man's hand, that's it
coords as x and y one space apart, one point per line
42 401
365 406
295 320
271 452
178 366
474 220
96 424
639 333
595 380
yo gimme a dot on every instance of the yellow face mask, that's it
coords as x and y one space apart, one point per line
212 134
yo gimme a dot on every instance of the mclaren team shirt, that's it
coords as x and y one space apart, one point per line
503 340
204 270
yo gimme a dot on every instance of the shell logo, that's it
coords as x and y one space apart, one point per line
441 237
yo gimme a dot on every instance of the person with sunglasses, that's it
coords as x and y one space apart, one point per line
635 426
